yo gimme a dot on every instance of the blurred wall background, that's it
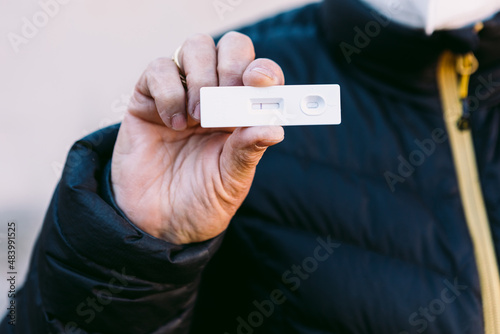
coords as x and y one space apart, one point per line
69 72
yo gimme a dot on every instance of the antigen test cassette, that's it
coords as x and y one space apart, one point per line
276 105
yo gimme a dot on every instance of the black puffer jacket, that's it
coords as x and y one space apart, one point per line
357 228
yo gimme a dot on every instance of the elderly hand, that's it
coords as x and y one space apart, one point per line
172 178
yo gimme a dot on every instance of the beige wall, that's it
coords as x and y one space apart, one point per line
73 76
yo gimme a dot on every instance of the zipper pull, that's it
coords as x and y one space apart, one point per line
463 122
466 65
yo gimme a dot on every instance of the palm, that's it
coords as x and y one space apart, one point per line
166 171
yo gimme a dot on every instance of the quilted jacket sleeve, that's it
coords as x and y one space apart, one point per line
93 271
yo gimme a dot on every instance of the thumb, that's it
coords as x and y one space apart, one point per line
242 152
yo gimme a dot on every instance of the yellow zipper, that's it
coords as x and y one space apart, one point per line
452 94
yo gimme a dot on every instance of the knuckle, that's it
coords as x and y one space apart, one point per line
159 87
171 95
157 65
234 36
199 39
171 105
230 69
153 83
160 90
195 82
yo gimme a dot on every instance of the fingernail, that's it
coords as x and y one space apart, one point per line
264 71
196 111
178 122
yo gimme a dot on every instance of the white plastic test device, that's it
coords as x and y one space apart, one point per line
276 105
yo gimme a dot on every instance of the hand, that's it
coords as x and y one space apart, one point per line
172 178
